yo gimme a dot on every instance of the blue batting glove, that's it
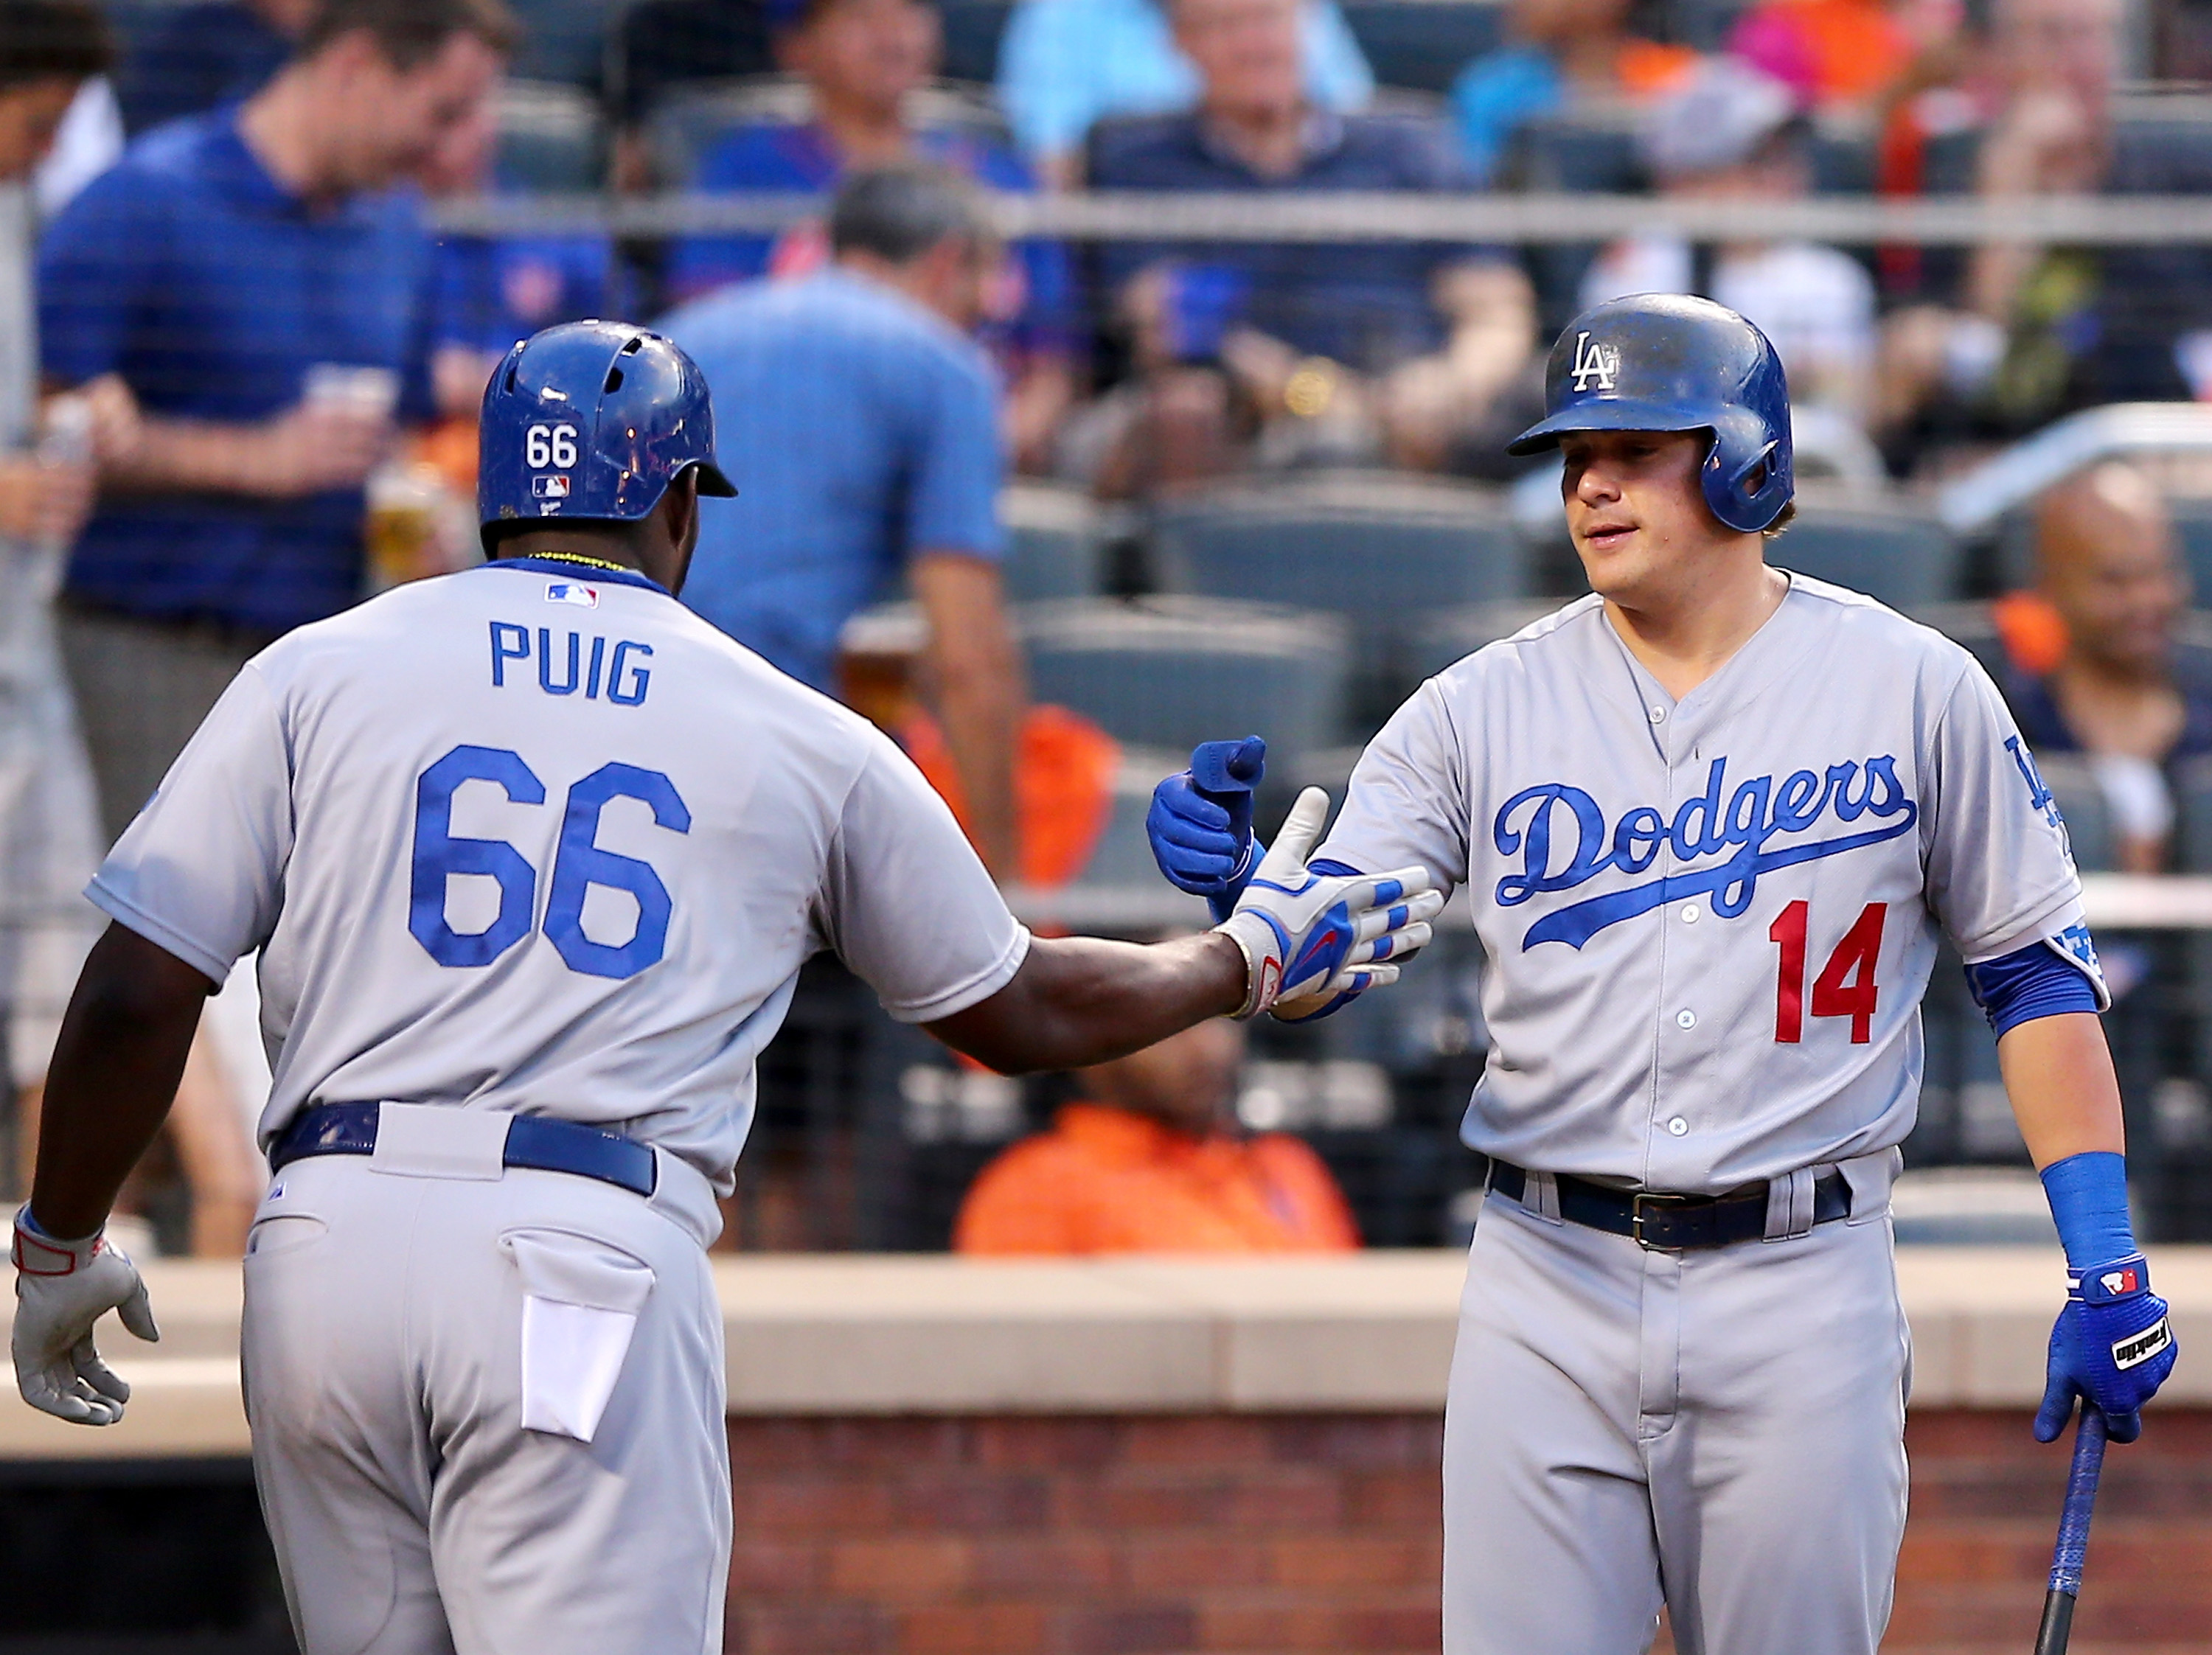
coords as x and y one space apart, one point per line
1308 936
2112 1347
1201 822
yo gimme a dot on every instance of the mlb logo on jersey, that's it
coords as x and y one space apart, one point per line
550 488
568 591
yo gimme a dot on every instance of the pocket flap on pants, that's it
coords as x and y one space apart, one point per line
580 1307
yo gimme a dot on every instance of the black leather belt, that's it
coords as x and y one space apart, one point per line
539 1143
1671 1223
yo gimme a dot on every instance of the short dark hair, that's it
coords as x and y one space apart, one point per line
410 32
53 41
899 213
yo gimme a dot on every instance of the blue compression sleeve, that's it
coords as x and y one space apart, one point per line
2089 1201
2036 981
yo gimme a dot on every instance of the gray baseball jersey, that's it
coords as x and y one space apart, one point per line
524 839
1709 922
520 841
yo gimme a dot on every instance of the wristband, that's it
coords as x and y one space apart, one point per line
2089 1195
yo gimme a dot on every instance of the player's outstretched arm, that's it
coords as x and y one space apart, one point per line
115 1070
1298 939
2113 1345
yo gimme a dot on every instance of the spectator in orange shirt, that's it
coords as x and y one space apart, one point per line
1155 1164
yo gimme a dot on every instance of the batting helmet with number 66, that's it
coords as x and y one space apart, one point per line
591 420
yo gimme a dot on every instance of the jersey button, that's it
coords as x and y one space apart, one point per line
1685 1018
1658 715
1691 913
1678 1126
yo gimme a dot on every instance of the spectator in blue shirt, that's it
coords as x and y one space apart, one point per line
860 60
859 425
250 283
1336 352
1065 65
186 59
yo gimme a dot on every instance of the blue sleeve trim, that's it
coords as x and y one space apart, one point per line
2036 981
2088 1195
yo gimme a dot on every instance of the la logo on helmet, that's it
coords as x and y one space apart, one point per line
1599 362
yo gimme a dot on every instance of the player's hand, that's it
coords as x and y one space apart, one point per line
1309 937
62 1288
1201 822
2113 1346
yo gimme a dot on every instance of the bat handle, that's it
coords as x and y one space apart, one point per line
2068 1555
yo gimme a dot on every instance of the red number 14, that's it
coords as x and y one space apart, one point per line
1844 987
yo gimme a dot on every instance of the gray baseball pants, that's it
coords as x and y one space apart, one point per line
1722 1431
488 1405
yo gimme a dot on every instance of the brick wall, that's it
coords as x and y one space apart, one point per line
1285 1536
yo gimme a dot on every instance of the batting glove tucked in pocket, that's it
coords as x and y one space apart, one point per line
2112 1346
1309 938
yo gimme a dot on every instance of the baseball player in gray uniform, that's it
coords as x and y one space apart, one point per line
1713 819
532 856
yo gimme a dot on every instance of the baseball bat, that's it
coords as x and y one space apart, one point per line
2067 1556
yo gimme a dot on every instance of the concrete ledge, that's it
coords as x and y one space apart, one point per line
856 1335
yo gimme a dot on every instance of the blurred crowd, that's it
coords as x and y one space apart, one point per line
239 369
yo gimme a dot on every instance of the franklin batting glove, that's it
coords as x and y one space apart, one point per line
1308 936
2112 1346
1200 822
62 1288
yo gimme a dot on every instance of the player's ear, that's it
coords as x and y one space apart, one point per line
679 512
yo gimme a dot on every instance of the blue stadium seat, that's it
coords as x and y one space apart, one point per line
1905 558
1054 539
2089 829
563 40
2192 527
973 29
1423 43
1380 548
1455 634
552 138
691 115
1170 672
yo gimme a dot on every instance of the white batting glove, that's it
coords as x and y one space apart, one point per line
62 1288
1308 938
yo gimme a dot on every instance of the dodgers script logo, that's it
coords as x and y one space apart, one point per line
1738 832
1598 362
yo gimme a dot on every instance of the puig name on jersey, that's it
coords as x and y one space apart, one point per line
1535 824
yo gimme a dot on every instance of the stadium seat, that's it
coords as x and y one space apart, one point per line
1170 672
1880 547
1423 43
1053 542
1455 634
688 118
2073 788
1379 548
552 138
973 29
2192 526
563 40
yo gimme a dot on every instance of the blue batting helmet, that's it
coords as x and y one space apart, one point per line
591 420
1670 362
